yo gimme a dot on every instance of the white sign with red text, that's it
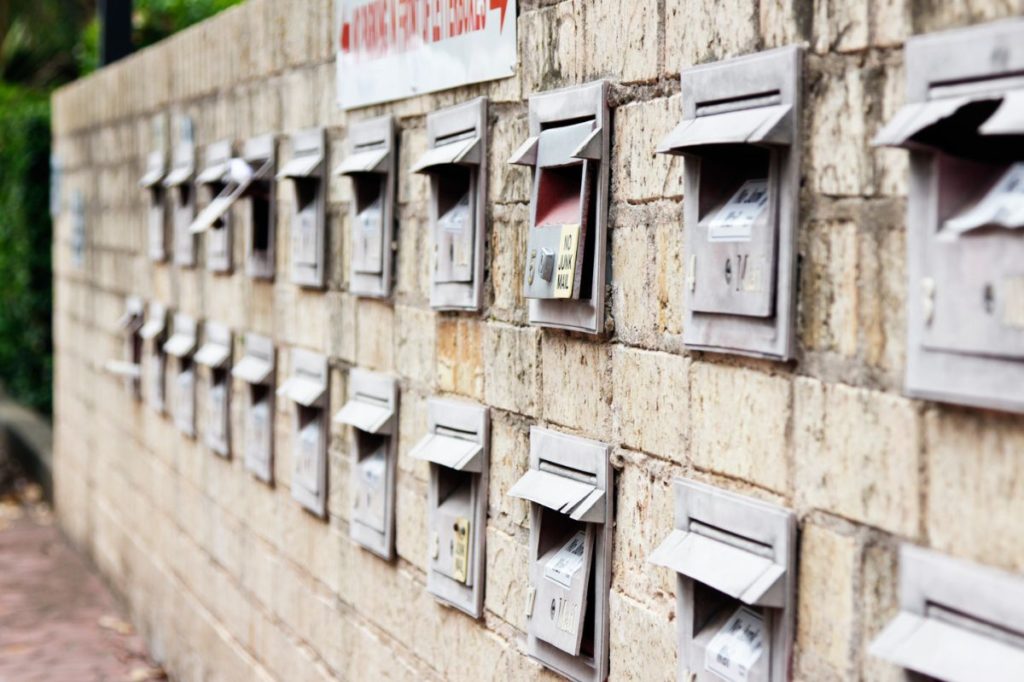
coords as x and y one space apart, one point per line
393 49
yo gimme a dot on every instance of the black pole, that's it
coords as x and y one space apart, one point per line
115 30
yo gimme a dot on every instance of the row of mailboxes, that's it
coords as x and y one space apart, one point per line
735 557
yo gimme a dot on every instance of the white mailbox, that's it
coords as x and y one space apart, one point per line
371 163
130 367
308 222
735 558
456 446
260 155
741 136
568 150
153 334
570 489
181 346
964 127
182 194
958 621
256 369
152 182
219 188
372 414
456 163
215 355
307 389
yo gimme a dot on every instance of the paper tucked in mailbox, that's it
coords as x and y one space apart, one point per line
734 222
736 647
565 564
1002 206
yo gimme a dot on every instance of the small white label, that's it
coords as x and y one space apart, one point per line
735 648
258 432
735 221
567 561
455 219
308 457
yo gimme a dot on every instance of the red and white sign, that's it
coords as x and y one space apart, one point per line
392 49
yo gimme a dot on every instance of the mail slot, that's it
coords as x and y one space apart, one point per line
215 355
216 183
130 367
564 272
260 156
372 414
570 489
735 560
370 163
152 182
307 389
958 621
181 345
741 136
305 170
153 334
456 448
456 165
182 194
256 369
964 127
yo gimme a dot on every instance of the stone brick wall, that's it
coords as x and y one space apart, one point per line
229 579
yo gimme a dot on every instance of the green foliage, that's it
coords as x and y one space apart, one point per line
26 363
37 37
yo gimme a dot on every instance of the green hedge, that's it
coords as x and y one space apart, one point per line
26 346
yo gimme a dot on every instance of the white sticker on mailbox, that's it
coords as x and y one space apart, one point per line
567 561
735 221
735 648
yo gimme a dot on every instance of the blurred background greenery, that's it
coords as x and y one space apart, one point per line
44 44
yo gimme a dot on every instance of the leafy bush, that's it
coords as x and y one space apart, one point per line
26 363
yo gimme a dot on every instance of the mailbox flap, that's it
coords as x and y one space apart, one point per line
302 166
180 175
1008 119
304 390
128 370
366 161
576 499
559 145
253 370
943 651
738 573
153 328
213 355
216 172
448 451
464 151
366 415
911 119
154 170
180 345
526 155
757 125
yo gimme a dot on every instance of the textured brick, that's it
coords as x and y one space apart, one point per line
511 374
643 640
576 381
460 360
629 53
638 173
838 155
651 401
706 30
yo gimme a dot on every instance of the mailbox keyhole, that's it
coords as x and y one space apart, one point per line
989 298
728 271
554 609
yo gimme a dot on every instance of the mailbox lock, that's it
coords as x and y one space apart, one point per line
728 271
547 264
989 298
928 294
554 608
435 546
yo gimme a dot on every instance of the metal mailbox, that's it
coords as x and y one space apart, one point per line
964 127
153 334
256 369
570 489
372 414
568 149
457 448
456 163
741 136
215 355
182 194
371 163
307 389
220 187
958 621
181 345
735 558
152 182
260 156
308 223
130 367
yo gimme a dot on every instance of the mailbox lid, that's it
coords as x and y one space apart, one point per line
182 342
449 451
257 365
307 384
216 350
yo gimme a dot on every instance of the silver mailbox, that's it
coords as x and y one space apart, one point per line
307 389
152 182
154 369
964 125
308 223
568 149
256 369
215 355
735 558
456 446
219 187
741 136
958 622
570 489
130 366
371 163
181 345
182 194
456 163
372 414
260 156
